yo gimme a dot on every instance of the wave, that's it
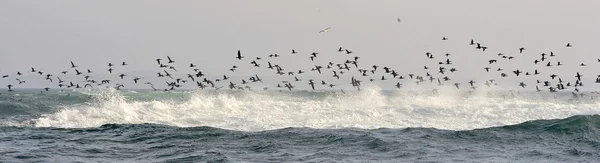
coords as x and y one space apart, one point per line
368 109
573 139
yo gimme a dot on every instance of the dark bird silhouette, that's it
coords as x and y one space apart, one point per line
135 80
348 52
73 65
517 72
239 55
522 84
170 60
312 84
521 50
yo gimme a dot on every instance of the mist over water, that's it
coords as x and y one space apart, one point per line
267 110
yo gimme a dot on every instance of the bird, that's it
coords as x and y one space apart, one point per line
325 30
239 55
348 51
522 84
136 79
73 65
170 60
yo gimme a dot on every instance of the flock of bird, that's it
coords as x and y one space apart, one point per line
438 74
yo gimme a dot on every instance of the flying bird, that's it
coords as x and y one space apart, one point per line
325 30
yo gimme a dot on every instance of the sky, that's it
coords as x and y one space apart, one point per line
48 34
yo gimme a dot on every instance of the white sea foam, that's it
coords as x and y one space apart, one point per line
254 111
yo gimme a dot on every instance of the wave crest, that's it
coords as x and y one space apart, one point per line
254 111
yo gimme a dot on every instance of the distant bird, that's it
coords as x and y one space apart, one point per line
170 60
135 79
522 84
348 51
521 50
239 55
325 30
73 65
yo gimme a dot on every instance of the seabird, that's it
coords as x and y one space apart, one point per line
73 65
325 30
170 61
239 55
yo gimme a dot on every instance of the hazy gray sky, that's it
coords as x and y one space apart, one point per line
48 34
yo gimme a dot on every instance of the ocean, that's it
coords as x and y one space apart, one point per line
372 125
